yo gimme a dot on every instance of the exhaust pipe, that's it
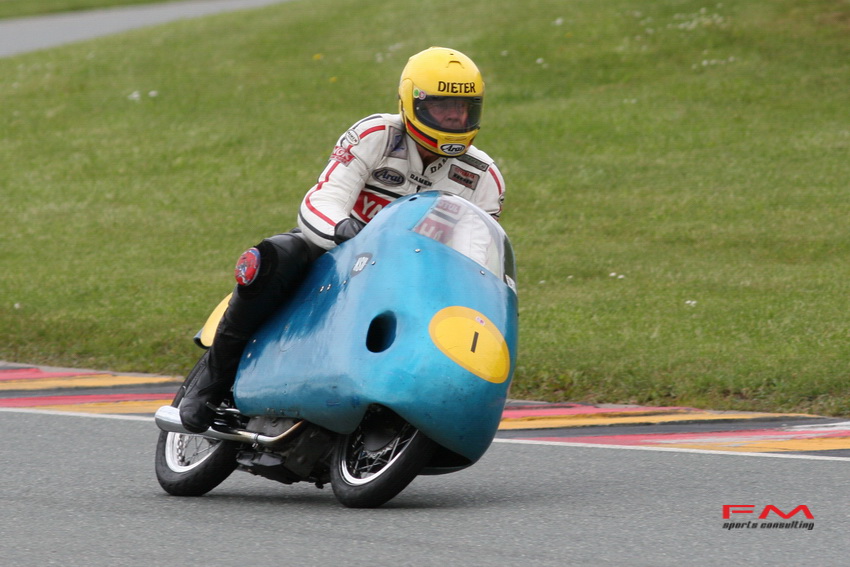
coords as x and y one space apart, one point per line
167 418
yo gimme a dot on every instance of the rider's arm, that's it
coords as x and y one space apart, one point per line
332 198
490 193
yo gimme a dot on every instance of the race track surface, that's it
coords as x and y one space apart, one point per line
22 35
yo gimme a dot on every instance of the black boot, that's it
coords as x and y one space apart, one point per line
209 382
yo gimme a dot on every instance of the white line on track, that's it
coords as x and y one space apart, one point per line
672 450
79 414
508 441
841 426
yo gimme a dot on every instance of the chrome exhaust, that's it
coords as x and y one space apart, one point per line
167 418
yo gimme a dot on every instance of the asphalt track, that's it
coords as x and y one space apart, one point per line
22 35
78 490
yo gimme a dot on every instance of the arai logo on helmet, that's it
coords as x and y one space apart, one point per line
453 149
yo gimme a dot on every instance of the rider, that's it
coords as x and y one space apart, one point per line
427 146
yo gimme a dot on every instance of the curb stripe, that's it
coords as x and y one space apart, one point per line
558 411
618 418
516 416
65 401
114 407
38 374
805 457
80 381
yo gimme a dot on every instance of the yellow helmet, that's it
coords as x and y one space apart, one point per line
441 94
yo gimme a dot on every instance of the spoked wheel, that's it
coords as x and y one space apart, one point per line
192 465
378 460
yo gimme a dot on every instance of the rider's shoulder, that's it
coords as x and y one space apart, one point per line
477 159
372 126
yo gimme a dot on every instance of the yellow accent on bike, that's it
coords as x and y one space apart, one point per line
472 341
208 331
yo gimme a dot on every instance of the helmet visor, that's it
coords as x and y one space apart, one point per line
454 114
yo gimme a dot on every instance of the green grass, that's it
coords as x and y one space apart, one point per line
21 8
677 184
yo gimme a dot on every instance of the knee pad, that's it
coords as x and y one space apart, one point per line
248 267
277 262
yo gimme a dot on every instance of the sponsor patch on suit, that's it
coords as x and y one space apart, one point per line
464 177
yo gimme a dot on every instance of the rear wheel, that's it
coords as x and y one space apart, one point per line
192 465
378 460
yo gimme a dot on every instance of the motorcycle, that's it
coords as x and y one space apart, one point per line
393 358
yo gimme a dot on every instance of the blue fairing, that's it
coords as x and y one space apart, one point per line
362 330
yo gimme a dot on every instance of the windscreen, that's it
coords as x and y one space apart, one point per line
462 226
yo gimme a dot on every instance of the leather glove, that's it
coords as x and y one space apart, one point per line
346 229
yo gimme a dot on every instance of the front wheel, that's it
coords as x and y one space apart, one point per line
192 465
378 460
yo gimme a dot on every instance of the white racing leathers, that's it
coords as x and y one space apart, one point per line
376 162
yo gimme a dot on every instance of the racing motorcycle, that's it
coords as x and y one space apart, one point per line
392 358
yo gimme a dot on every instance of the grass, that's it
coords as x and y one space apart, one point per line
677 184
21 8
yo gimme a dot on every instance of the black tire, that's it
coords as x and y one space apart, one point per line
192 465
378 460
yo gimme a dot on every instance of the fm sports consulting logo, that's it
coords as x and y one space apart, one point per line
738 518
